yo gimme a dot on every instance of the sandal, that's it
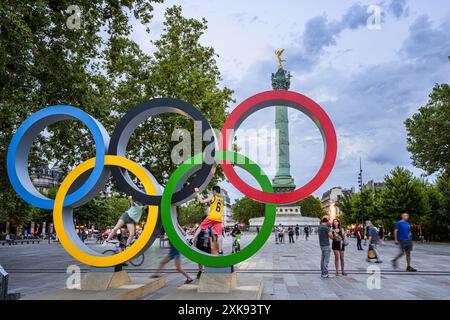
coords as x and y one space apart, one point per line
188 281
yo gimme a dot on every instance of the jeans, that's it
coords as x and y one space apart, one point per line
291 238
325 259
358 244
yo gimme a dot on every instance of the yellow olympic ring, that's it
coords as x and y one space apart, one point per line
100 260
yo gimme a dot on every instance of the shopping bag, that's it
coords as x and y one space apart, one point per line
371 254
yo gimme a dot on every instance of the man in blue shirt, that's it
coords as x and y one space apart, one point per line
402 237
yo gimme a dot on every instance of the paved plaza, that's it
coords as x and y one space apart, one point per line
288 271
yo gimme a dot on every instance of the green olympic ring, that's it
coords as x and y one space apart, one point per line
169 216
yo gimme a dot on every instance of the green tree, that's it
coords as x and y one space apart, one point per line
45 61
101 211
311 207
349 214
182 68
429 133
245 208
191 213
403 192
436 223
355 208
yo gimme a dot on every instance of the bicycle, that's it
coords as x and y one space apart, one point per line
119 247
236 243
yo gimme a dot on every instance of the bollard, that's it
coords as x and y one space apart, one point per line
4 295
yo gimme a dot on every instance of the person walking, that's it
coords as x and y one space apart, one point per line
291 234
381 233
281 233
402 238
276 234
338 236
359 236
324 242
8 239
297 232
306 230
373 239
175 255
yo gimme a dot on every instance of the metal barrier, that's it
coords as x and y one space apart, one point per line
4 295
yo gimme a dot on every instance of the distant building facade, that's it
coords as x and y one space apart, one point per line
331 197
372 185
227 215
45 178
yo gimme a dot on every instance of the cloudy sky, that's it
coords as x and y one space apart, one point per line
368 79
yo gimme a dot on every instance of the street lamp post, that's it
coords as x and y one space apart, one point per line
361 187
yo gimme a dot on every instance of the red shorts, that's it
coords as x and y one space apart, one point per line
216 225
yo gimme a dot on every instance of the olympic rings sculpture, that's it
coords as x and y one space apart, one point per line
86 180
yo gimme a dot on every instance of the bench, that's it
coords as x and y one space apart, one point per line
20 241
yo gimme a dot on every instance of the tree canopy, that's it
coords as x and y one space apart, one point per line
245 208
311 207
99 69
429 133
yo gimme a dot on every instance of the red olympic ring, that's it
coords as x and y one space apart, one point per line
289 99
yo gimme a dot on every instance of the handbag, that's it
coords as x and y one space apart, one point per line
371 254
345 242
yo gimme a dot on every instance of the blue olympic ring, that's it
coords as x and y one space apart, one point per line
17 158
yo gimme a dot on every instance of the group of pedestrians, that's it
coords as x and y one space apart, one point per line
280 232
210 232
335 233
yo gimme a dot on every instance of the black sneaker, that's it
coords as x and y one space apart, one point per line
199 274
411 269
221 253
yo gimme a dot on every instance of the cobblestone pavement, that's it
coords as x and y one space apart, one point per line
288 271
